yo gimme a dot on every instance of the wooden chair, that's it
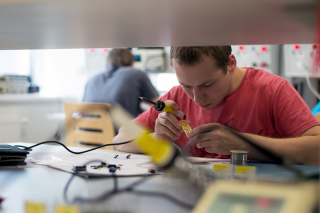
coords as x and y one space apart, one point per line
88 124
318 116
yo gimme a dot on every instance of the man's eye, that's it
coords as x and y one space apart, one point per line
208 85
186 87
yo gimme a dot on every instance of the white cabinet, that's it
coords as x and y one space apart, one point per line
29 117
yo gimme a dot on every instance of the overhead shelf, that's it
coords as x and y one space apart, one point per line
53 24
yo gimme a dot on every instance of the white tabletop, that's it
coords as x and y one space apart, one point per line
41 184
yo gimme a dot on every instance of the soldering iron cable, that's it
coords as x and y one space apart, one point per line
115 191
73 152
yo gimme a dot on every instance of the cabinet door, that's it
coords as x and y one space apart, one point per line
10 128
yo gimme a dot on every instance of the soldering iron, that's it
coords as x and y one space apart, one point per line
162 107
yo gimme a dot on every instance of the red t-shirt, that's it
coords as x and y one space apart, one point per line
263 104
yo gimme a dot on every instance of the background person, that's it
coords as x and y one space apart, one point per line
121 83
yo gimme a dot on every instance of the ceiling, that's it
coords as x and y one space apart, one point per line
56 24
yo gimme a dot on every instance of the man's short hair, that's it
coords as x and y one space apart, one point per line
193 55
120 57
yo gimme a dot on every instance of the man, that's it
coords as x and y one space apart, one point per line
216 95
121 83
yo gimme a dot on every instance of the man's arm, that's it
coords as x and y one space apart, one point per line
304 149
216 138
121 137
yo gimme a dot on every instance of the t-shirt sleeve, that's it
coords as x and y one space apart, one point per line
147 89
292 115
148 118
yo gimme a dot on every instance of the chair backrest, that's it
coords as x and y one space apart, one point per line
318 116
88 124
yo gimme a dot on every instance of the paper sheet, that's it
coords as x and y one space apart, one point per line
135 165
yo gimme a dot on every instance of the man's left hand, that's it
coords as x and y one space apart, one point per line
215 138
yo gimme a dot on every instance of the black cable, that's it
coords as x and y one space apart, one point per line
140 192
162 195
115 183
128 189
143 193
95 175
145 178
98 147
67 186
89 150
72 176
115 190
107 194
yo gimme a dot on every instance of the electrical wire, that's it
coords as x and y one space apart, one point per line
89 150
73 175
162 195
110 193
96 175
313 90
115 183
144 193
128 189
148 60
306 70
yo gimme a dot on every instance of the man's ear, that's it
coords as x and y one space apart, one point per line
232 63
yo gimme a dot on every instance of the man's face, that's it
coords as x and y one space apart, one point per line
205 83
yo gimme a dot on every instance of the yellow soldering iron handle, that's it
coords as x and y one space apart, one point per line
161 151
167 108
177 113
163 107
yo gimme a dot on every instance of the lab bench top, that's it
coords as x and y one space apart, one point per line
23 98
278 173
45 185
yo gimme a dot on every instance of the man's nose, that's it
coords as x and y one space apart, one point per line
198 96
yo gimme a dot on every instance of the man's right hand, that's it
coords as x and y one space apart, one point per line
167 126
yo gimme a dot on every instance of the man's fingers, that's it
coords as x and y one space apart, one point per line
163 130
200 138
172 104
210 149
168 119
169 126
204 144
203 128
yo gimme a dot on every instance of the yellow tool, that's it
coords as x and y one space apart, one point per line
186 128
162 107
162 151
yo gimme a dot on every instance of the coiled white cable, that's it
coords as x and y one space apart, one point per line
306 72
